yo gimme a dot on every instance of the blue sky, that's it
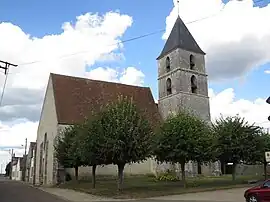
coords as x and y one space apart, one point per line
40 18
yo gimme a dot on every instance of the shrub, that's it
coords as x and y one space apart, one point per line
169 175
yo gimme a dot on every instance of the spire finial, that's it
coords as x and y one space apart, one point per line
178 8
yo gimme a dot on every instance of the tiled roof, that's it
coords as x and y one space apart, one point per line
76 98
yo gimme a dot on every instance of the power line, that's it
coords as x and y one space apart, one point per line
124 41
132 39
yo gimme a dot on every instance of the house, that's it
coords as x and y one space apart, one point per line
17 168
30 162
182 83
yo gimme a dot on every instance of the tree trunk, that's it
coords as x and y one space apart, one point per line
183 174
234 171
265 170
120 176
94 176
199 168
223 167
76 172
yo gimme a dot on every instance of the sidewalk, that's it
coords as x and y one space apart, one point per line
75 196
229 195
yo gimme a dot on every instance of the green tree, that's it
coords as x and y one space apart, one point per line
92 144
128 135
235 140
262 145
67 148
182 138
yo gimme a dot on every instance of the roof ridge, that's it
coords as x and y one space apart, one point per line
101 81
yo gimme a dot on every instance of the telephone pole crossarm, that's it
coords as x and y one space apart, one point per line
6 65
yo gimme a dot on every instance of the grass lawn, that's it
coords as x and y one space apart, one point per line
148 186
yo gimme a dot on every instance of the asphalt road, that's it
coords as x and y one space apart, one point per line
19 192
12 191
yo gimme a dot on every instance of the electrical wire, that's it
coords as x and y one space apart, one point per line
124 41
132 39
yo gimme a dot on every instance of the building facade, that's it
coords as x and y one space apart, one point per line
17 165
30 163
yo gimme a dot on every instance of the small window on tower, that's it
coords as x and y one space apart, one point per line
168 64
169 86
193 84
192 61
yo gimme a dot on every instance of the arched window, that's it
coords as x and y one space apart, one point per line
192 61
169 86
193 84
168 64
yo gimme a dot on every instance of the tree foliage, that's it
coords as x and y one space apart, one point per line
128 134
262 145
182 138
67 148
92 144
235 139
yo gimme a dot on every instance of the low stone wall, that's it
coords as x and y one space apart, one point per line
132 169
242 169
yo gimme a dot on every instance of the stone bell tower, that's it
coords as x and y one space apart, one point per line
182 79
183 83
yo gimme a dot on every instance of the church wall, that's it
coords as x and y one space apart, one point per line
180 59
180 75
197 104
146 167
47 125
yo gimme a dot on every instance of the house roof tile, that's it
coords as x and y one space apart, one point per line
76 98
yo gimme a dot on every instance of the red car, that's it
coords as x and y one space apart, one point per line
259 193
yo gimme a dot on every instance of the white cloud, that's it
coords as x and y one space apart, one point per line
13 136
235 40
267 71
130 75
92 37
254 111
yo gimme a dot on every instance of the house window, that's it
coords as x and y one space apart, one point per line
193 84
168 64
192 61
169 86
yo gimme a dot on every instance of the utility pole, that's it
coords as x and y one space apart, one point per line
24 161
268 102
11 162
6 66
25 147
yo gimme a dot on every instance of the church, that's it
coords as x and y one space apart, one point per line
182 83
